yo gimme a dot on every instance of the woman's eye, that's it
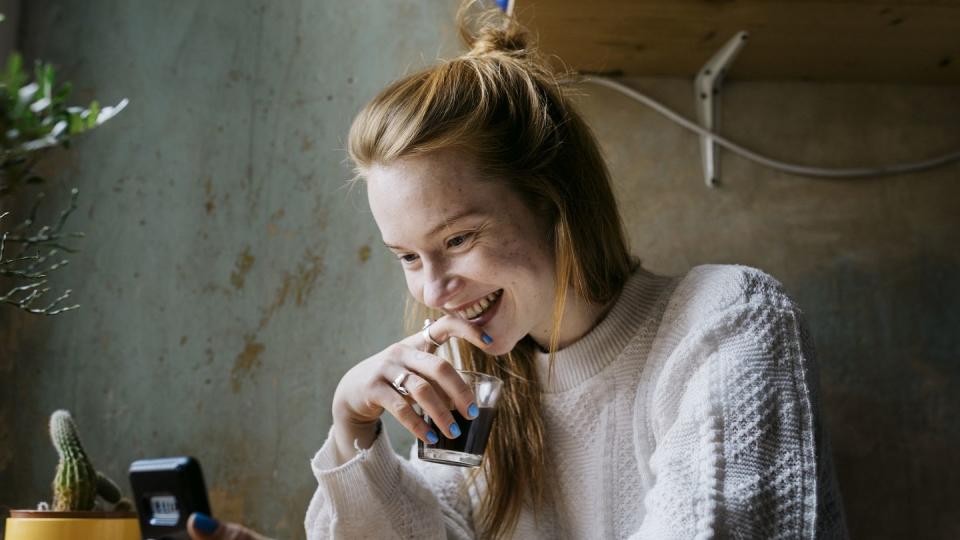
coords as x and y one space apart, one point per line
407 258
458 240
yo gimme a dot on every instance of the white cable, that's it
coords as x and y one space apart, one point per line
853 172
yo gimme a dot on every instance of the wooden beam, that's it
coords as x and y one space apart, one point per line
879 41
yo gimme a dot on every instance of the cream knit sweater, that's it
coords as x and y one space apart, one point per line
690 411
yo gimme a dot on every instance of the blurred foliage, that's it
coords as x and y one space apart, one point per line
34 117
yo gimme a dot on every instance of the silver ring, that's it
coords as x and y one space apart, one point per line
397 383
426 333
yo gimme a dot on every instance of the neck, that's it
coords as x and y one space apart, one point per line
579 317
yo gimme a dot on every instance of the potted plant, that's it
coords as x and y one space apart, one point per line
35 117
86 503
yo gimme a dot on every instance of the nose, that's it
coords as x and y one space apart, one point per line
440 286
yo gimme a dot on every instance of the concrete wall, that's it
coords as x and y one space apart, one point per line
228 279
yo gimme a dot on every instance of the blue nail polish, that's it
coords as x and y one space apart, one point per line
205 523
473 411
455 429
432 437
487 339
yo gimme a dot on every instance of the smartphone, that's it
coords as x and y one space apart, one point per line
166 491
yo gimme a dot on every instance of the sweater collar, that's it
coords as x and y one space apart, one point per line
593 352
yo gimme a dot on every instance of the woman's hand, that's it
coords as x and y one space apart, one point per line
203 527
365 391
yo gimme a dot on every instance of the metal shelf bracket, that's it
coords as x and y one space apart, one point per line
707 95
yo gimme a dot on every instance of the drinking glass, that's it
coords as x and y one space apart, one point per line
467 449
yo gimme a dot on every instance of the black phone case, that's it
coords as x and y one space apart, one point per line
166 491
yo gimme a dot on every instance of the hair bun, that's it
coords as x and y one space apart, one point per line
491 31
509 40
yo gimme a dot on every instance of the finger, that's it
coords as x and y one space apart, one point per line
388 398
450 326
435 406
458 393
203 527
436 388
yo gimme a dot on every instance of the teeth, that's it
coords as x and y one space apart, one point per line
478 308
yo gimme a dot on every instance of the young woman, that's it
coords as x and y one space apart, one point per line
634 405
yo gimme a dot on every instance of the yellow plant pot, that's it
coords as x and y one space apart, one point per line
44 525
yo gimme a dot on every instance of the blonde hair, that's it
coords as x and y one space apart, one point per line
501 103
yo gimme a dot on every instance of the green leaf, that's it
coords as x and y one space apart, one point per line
63 93
75 123
14 76
94 113
45 76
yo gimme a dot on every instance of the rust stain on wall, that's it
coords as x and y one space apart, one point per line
275 229
208 204
243 264
246 361
302 281
280 298
320 213
364 253
298 284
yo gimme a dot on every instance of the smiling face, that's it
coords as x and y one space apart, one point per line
468 246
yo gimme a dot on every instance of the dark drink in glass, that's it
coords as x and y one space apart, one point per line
467 449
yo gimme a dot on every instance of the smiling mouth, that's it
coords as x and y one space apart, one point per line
480 306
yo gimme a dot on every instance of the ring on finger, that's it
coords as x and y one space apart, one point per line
397 383
426 333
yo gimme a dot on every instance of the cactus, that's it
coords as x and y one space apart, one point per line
109 492
77 483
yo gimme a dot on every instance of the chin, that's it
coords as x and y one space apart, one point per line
502 345
500 349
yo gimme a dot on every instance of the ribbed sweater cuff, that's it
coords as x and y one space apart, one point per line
374 472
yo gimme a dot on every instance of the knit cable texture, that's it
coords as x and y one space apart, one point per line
690 411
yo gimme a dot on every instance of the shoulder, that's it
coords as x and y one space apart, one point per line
710 289
715 309
725 323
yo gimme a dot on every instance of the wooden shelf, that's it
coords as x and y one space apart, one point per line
854 41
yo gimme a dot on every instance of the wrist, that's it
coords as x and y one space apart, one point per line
352 437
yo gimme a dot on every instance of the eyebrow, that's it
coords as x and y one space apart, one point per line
445 223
